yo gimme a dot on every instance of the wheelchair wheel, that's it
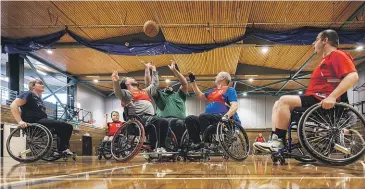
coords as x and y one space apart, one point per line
127 141
107 152
171 142
52 154
301 153
234 140
334 136
37 142
185 141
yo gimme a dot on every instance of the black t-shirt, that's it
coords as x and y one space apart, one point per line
33 110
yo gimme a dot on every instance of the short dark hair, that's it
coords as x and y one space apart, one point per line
332 37
111 115
122 84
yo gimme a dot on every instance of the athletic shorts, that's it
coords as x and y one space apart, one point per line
308 101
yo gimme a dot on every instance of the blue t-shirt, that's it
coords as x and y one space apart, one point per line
219 101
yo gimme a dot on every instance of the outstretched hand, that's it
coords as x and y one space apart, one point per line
191 77
115 76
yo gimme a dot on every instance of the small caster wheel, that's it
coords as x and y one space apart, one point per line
74 157
274 159
225 157
179 158
99 156
282 160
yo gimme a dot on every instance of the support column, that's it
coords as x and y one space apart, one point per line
15 72
71 93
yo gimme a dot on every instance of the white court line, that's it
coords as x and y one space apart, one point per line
206 178
68 175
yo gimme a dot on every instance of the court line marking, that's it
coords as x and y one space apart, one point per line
67 175
202 178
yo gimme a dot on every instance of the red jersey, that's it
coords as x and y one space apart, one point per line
113 127
329 73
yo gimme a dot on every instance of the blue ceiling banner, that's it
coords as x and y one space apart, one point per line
30 44
139 44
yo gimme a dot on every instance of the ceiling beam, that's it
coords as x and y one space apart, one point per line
353 16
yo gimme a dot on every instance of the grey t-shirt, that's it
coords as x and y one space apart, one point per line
142 107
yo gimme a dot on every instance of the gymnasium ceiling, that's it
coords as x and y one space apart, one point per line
188 23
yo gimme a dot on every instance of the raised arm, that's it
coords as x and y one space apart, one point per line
122 94
152 88
195 87
147 75
184 83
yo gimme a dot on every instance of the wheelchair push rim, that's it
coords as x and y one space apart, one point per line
37 143
50 156
333 136
124 145
233 140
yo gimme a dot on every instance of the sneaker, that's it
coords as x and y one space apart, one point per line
55 154
272 145
196 146
163 150
67 152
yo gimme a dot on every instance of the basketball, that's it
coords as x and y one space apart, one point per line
150 28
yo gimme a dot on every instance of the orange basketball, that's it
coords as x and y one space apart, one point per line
150 28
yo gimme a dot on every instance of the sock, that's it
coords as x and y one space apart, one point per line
281 134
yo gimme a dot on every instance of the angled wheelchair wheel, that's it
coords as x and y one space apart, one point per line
107 154
234 140
300 154
334 136
127 140
171 142
52 154
32 144
185 141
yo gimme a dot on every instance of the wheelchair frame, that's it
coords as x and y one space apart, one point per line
286 152
217 138
46 154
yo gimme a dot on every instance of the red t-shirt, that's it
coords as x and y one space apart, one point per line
328 74
113 127
260 139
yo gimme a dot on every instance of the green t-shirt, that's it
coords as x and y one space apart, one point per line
171 104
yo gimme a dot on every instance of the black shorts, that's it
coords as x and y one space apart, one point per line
308 101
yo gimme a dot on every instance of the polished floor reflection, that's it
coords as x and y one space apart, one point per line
254 172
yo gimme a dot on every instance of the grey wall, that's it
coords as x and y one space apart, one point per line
91 101
255 112
355 96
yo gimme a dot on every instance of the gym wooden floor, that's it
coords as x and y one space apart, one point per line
254 172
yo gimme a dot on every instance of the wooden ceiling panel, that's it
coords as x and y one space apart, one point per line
294 14
82 61
134 63
280 57
211 62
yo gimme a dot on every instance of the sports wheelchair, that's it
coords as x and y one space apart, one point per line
33 143
332 137
227 139
104 150
131 138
